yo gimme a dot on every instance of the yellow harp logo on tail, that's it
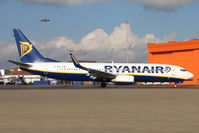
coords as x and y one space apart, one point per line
25 47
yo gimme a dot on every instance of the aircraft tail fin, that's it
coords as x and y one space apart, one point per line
27 52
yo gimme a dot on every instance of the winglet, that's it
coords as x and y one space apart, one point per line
75 62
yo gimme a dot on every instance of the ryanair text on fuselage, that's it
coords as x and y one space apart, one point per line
136 69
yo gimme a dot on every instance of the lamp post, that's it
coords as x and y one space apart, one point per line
45 21
127 41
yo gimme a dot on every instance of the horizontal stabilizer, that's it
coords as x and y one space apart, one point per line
19 63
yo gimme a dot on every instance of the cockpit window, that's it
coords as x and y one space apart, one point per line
183 70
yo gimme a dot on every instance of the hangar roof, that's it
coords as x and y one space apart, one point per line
173 46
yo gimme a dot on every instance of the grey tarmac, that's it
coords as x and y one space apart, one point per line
96 110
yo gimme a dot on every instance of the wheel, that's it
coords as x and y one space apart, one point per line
103 84
175 85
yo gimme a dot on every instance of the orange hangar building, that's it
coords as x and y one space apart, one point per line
184 54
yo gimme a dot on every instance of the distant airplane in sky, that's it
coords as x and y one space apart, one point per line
118 73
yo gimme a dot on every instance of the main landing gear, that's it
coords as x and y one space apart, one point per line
103 84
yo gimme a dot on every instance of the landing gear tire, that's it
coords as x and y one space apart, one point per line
175 85
103 84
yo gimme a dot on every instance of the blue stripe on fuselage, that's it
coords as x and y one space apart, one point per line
155 79
85 77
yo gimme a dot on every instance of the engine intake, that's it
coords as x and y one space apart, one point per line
123 80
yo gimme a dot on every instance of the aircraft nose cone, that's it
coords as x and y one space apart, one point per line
190 75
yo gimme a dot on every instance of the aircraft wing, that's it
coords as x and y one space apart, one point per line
93 72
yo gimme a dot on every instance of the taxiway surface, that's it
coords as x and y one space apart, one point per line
99 110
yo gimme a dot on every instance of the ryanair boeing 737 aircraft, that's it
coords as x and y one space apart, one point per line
118 73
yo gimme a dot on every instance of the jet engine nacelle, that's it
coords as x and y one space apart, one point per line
123 80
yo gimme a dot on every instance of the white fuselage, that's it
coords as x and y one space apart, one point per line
140 71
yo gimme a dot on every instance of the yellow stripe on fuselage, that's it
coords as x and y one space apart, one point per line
113 73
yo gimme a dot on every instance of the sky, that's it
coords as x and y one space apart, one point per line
96 30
